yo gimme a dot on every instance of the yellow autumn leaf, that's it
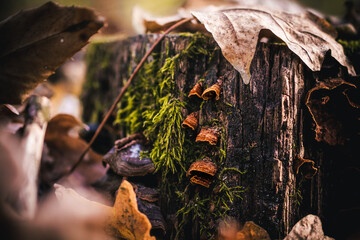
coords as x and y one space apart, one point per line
129 222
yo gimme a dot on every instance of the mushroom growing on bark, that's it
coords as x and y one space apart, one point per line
202 172
191 121
208 134
197 90
213 91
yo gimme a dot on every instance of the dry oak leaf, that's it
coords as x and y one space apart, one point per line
35 42
237 32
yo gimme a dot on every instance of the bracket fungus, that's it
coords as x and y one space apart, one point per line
197 90
202 172
208 134
153 213
213 91
127 161
191 121
333 109
146 200
306 166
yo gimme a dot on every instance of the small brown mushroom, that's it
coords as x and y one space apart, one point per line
197 90
202 172
213 91
208 134
306 166
191 121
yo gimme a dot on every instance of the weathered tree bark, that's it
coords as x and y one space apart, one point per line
267 125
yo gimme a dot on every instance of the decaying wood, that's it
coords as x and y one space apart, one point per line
266 123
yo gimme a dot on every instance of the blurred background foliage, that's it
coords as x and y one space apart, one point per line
118 12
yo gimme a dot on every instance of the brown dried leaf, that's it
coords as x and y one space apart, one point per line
35 42
251 231
237 33
126 218
63 148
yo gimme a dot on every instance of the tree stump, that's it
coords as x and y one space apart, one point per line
266 123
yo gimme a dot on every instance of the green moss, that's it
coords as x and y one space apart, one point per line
350 47
164 128
140 97
152 105
209 205
146 105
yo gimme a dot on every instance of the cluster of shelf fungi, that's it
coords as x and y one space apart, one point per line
125 162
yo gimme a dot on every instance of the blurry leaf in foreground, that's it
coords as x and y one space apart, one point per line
251 231
63 148
229 230
124 218
35 42
238 30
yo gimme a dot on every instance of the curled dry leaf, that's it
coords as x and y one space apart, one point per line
35 42
237 32
306 166
202 172
332 111
191 121
353 97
